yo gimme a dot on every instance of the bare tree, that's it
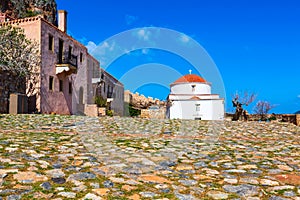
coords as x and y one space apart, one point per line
240 99
20 57
262 108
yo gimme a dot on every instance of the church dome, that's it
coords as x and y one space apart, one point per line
190 78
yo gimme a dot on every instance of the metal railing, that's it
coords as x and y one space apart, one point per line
68 59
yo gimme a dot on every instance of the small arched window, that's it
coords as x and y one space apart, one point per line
193 88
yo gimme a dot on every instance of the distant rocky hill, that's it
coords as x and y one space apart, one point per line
298 112
27 8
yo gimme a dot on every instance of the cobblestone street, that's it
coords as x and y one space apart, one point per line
76 157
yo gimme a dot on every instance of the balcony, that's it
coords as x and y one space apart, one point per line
66 64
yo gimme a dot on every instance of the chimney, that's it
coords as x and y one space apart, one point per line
62 20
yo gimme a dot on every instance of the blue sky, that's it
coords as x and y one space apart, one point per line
254 44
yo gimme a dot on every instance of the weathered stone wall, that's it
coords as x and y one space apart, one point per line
153 114
140 101
9 85
256 117
291 118
91 110
298 119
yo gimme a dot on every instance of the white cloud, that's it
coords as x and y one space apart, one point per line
91 46
105 46
130 19
133 43
184 38
108 46
102 52
143 34
126 51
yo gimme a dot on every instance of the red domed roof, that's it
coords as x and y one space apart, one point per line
190 78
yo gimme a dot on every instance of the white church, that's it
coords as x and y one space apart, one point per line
190 98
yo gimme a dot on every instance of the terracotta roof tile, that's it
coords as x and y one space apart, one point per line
190 78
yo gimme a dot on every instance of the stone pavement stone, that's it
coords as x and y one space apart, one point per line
217 195
77 157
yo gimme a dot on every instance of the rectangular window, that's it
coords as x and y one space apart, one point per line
70 87
51 83
60 51
51 42
70 52
197 107
81 57
61 85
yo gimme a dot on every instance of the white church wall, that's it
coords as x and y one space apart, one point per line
191 88
218 109
187 97
201 109
175 111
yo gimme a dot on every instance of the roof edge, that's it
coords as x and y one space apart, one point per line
207 83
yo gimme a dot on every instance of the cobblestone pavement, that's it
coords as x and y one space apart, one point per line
75 157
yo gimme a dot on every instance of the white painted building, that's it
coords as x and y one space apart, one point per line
190 98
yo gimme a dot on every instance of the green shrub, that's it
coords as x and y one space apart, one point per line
272 118
30 13
109 113
134 112
100 101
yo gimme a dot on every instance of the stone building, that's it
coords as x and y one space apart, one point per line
190 98
66 71
110 89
